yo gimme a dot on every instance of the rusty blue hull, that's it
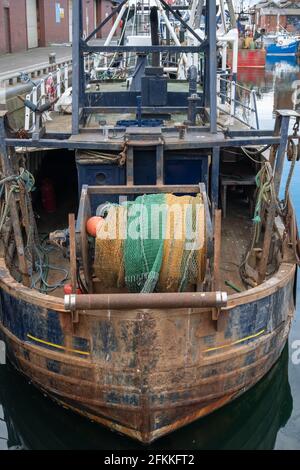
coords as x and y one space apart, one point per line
147 373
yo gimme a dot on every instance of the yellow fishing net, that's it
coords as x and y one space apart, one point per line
109 249
182 264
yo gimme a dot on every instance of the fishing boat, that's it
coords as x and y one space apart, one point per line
254 59
282 42
251 51
171 292
285 46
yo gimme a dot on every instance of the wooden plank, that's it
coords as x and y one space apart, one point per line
215 177
263 263
279 164
84 214
209 228
24 209
13 207
196 141
272 210
73 260
217 262
160 171
129 166
127 190
217 249
274 148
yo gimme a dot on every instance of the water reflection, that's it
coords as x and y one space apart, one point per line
30 421
273 85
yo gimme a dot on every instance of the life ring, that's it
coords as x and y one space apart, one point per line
280 42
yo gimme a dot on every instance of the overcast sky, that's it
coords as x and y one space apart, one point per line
246 2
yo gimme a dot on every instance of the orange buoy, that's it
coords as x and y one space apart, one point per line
68 290
93 224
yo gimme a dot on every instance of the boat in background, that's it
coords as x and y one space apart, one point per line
251 51
269 39
248 58
285 45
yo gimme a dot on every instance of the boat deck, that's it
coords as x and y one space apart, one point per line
62 123
236 237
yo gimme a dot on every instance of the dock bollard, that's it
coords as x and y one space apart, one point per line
52 61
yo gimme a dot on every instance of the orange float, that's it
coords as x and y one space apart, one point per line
68 290
93 224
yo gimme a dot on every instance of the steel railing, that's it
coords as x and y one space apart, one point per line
58 82
238 102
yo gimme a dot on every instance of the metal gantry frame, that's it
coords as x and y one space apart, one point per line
199 137
82 45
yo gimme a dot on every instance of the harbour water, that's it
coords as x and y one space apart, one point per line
267 417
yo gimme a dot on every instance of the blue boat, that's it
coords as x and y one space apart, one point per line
284 47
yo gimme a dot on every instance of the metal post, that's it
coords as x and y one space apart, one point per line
255 109
154 35
232 98
281 152
170 28
106 20
43 91
58 83
27 115
215 178
52 61
263 264
193 78
231 14
66 76
77 67
34 100
223 83
223 16
168 38
115 25
198 14
160 170
193 13
212 48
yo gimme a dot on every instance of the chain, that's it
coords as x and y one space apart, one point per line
296 127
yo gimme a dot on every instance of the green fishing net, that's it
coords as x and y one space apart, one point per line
158 245
143 248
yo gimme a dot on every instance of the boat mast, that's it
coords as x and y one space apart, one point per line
198 14
211 63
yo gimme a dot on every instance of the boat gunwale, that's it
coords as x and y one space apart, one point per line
284 274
